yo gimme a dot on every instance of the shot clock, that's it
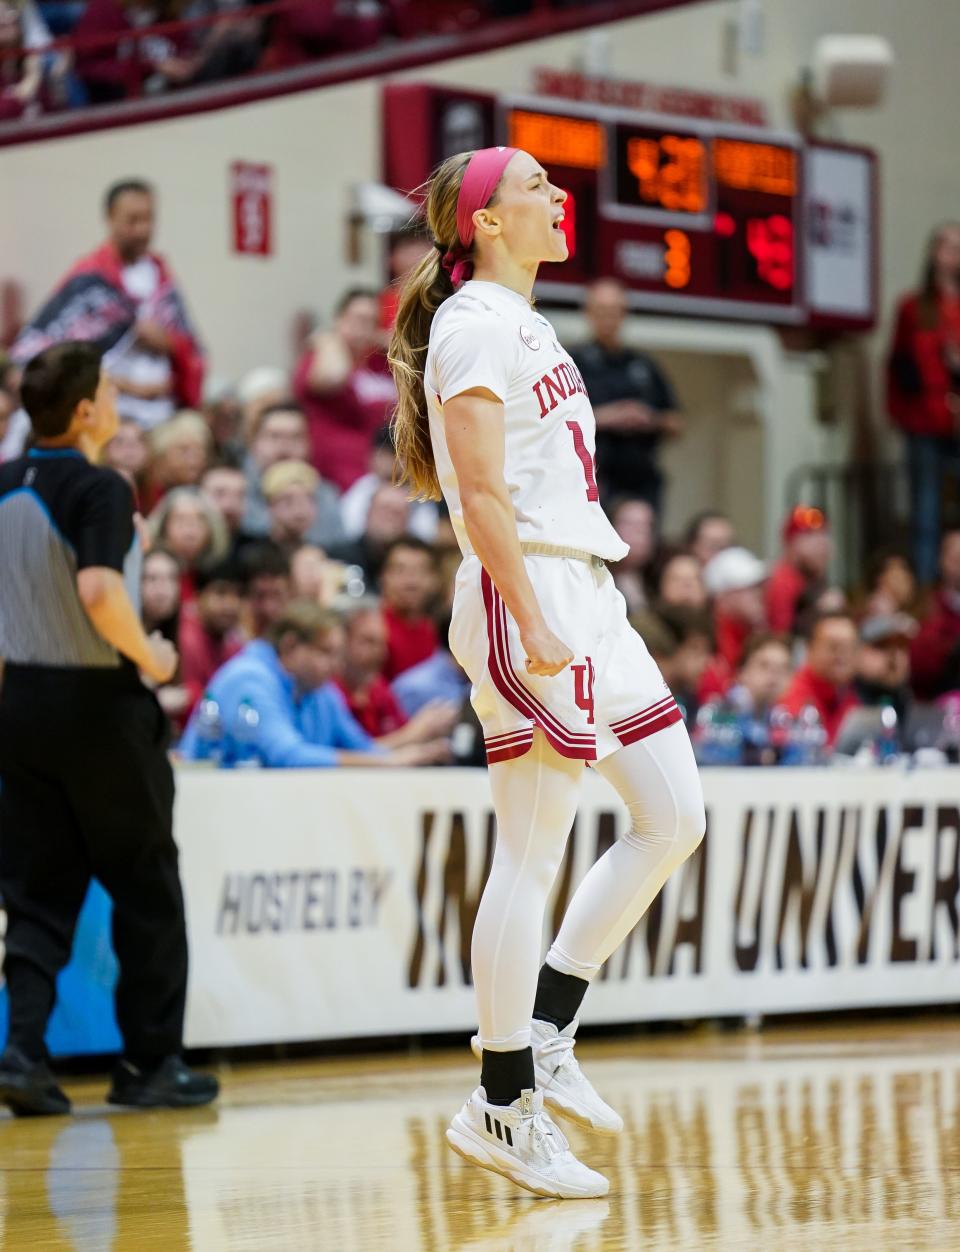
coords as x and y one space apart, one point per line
694 217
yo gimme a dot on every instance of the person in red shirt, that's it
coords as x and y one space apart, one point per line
209 633
802 568
923 389
408 584
345 387
826 680
935 651
368 694
734 580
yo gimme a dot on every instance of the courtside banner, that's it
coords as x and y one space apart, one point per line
330 905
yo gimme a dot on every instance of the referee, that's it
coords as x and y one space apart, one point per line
85 785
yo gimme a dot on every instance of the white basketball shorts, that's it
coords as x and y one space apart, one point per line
612 693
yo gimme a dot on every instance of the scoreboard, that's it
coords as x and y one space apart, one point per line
693 217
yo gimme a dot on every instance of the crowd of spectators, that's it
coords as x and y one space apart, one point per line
310 600
57 54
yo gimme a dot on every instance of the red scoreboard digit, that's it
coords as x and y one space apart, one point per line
693 217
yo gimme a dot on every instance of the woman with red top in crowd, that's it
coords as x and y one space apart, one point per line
345 387
923 389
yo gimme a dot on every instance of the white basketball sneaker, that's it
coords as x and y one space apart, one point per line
566 1089
521 1142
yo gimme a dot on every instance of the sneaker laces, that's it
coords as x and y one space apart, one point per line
545 1136
560 1050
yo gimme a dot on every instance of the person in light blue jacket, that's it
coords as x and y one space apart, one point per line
301 719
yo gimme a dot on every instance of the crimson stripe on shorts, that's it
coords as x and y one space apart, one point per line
508 750
644 729
502 672
560 730
654 710
556 729
516 695
510 734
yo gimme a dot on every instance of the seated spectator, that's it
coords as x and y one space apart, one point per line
160 593
883 663
181 450
369 696
290 490
266 586
187 524
128 452
280 434
355 503
680 583
935 653
734 580
210 632
708 533
439 677
258 390
825 681
223 413
315 577
890 585
160 611
346 389
301 716
636 524
308 29
112 64
680 640
225 486
408 585
802 568
765 672
21 65
386 522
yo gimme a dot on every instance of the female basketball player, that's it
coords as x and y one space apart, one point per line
494 415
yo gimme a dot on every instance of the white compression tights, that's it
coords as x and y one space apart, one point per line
535 797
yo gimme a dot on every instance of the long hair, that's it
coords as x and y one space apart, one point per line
929 299
425 289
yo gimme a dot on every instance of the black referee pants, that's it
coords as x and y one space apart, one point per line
86 790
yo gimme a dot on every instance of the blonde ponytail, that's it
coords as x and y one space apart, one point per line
426 288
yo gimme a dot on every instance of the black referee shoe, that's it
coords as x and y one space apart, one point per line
170 1085
28 1087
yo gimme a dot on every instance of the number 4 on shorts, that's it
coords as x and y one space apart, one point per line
583 687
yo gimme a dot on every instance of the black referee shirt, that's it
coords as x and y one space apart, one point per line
624 458
58 515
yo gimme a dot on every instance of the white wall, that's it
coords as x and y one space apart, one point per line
321 142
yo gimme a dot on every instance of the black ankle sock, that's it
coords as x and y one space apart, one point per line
503 1075
559 997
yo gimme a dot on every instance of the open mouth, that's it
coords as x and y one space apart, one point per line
558 223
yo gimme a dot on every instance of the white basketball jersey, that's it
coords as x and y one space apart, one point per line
489 336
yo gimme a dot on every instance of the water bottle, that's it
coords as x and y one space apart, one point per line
886 746
718 737
806 741
244 740
209 737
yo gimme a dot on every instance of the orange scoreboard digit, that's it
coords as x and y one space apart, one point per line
693 217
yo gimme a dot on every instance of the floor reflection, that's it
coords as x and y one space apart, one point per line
785 1141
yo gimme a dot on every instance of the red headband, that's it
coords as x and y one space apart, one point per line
480 180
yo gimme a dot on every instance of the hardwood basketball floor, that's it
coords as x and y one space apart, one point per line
835 1138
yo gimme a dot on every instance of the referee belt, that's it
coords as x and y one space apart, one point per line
532 548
